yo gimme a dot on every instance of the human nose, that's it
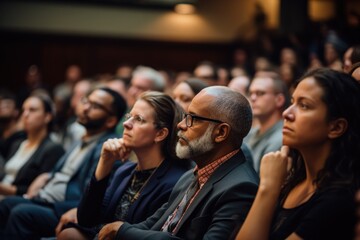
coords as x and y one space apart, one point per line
288 113
182 124
128 123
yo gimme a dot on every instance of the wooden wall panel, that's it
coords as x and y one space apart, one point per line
96 55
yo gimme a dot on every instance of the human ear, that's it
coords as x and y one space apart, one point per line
48 118
280 100
337 128
161 135
111 122
221 132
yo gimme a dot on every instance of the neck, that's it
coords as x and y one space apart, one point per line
91 133
268 122
36 137
315 158
213 155
149 158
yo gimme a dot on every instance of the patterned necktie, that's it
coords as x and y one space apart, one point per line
174 218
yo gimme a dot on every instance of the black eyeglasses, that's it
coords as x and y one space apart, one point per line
95 105
189 119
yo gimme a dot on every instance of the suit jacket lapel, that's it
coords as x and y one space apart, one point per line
219 173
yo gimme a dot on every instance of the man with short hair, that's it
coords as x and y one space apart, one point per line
212 200
144 79
269 97
51 194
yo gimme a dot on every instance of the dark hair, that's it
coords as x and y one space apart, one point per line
167 114
7 94
354 67
355 55
48 104
118 105
342 98
196 84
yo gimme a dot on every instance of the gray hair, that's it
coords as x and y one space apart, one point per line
233 108
158 81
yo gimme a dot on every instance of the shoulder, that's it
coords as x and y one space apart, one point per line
170 172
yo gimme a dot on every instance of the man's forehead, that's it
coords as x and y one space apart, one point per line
201 102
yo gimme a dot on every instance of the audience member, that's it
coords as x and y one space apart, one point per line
72 131
186 90
332 56
124 71
269 97
37 213
144 79
11 127
355 71
73 74
119 85
240 84
206 71
33 81
204 203
347 59
137 190
307 189
223 75
37 153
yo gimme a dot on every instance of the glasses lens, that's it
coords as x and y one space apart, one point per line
188 120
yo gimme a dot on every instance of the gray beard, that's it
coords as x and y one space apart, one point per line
195 147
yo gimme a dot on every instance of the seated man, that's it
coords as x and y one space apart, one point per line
50 195
212 200
269 97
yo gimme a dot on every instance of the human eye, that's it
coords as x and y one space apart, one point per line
185 98
127 116
138 119
303 105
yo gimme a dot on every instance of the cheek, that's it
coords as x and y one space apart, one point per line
308 132
143 138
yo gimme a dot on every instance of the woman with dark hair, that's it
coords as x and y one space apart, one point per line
186 90
137 190
37 153
307 189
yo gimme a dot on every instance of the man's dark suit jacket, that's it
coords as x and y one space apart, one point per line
42 160
217 211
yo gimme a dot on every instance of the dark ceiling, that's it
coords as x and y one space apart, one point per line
159 4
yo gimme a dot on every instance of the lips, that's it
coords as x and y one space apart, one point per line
287 129
126 135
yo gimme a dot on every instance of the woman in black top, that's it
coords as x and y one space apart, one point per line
307 189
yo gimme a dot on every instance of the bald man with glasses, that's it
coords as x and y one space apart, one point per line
212 200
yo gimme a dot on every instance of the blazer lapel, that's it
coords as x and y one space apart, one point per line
219 173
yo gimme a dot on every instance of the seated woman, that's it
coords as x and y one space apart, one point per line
186 90
307 189
37 153
136 190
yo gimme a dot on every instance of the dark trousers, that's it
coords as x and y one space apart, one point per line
22 218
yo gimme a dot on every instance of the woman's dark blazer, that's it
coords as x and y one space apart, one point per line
99 202
43 160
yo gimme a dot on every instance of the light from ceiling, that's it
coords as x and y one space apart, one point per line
184 8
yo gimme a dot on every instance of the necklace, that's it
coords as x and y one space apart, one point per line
133 182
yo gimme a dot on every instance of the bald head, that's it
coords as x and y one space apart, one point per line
228 106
